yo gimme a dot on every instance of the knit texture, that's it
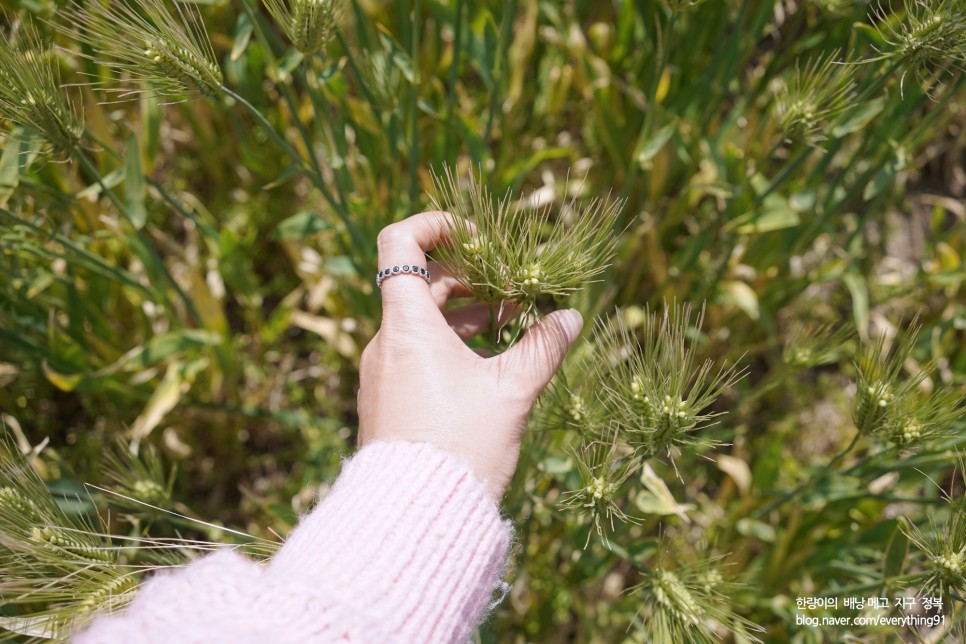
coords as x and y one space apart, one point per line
408 546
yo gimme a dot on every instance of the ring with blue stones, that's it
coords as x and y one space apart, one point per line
405 269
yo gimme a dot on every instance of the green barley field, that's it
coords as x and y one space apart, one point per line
757 206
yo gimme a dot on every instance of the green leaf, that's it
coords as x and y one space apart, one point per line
654 145
860 300
111 179
243 34
803 201
776 214
290 173
895 554
134 184
63 381
753 528
482 48
737 469
639 550
742 296
871 34
10 166
520 168
340 266
162 401
301 225
151 119
427 108
885 176
556 465
858 119
164 346
288 63
657 498
397 55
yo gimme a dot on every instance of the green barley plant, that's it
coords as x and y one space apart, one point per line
571 401
647 396
153 45
603 470
138 482
940 548
881 387
60 567
689 603
813 97
30 92
308 24
656 389
50 559
930 418
891 405
943 549
816 345
506 250
929 37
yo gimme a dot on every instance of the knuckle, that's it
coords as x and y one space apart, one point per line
389 236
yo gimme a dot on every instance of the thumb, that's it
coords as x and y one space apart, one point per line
540 353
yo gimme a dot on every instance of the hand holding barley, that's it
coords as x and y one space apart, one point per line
419 382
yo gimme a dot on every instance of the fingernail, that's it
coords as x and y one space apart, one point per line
572 322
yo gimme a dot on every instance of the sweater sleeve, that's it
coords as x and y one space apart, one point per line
408 546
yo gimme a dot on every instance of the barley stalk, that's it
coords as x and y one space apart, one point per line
30 93
159 45
309 24
689 603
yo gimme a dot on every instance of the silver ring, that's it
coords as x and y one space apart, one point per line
404 269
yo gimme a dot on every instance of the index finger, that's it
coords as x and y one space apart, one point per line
405 243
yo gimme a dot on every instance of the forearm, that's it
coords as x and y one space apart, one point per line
411 535
407 546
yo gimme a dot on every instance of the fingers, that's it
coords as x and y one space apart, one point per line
405 243
538 355
444 286
473 319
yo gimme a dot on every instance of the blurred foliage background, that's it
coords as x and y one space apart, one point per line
789 164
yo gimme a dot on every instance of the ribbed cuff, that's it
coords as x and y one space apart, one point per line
409 533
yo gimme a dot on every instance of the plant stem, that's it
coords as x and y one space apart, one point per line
451 85
279 140
815 478
645 134
303 132
315 173
334 126
358 241
414 106
784 174
506 23
363 85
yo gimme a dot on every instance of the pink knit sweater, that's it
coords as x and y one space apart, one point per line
408 546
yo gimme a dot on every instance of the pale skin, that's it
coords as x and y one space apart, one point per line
420 382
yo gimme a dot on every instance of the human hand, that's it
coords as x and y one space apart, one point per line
418 380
